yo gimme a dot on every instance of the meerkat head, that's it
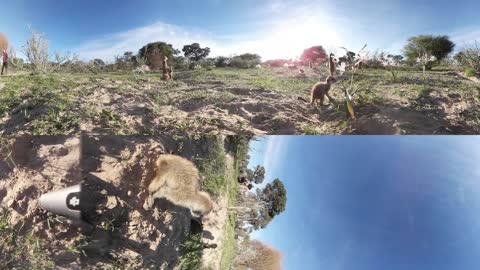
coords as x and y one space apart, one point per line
330 80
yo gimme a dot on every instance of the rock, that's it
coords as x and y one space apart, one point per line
111 202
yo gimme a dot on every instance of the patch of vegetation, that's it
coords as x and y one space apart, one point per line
21 251
470 72
57 121
6 151
111 119
310 130
212 167
191 253
229 244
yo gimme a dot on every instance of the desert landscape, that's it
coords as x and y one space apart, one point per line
235 101
160 92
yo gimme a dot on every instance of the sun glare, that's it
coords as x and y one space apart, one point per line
289 39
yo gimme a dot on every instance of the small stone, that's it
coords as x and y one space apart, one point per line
129 193
111 202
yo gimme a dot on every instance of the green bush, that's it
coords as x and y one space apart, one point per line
470 72
222 61
247 60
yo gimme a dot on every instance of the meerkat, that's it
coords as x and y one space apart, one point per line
177 180
167 71
331 64
320 89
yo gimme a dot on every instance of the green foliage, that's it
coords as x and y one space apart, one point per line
437 46
274 197
257 175
470 72
191 253
153 52
195 52
21 251
180 63
247 60
222 61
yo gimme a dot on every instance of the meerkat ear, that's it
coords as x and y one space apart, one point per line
161 162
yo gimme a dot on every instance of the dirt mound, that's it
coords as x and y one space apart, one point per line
120 228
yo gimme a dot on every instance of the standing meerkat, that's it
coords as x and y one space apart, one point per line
320 89
167 71
177 180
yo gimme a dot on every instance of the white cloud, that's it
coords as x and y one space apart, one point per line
106 47
279 38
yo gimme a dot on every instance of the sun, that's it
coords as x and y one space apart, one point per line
288 40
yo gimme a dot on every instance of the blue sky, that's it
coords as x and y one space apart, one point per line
272 28
373 202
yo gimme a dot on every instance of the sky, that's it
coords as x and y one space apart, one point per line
272 28
374 202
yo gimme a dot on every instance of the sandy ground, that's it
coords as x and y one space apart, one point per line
212 106
114 170
220 109
40 164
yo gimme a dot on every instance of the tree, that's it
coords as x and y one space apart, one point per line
153 53
222 61
256 255
257 175
389 62
98 62
36 51
469 57
315 54
426 47
3 42
195 52
246 60
276 195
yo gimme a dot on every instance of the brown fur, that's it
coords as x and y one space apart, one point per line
178 181
320 90
167 71
331 64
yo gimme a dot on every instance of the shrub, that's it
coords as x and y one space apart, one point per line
180 63
470 72
36 51
246 60
469 57
153 52
222 61
427 47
